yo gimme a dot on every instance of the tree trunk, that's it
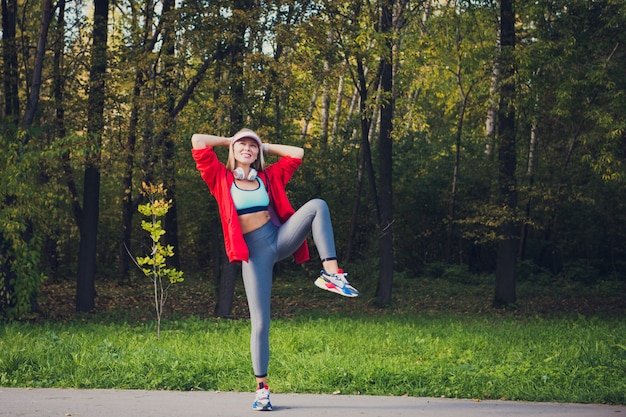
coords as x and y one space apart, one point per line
359 180
309 115
50 255
59 102
226 288
368 130
325 115
166 146
492 105
365 159
457 157
338 101
58 84
35 88
354 217
505 293
385 281
10 61
128 202
530 174
85 284
453 189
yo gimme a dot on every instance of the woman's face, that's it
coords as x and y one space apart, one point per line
246 151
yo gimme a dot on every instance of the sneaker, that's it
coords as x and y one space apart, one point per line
262 400
336 283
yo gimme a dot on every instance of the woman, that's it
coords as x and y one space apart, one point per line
261 227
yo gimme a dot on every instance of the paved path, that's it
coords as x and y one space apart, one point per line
16 402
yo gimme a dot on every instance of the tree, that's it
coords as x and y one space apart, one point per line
129 201
154 264
283 68
573 103
508 244
88 222
236 47
385 281
10 60
166 118
355 25
159 121
10 77
35 87
19 240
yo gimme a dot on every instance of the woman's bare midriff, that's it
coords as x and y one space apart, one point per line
252 221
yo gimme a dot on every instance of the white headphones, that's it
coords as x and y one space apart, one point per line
240 175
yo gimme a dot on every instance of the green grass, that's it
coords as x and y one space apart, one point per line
566 359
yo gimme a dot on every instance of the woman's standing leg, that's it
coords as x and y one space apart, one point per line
257 278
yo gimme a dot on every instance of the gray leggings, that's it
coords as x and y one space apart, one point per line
268 245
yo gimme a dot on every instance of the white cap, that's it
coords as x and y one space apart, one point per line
246 133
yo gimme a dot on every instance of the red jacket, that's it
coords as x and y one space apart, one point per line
220 180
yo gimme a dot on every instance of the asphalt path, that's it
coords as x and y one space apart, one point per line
17 402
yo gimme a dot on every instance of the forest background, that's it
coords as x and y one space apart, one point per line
487 137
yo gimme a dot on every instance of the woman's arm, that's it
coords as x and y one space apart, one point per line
201 141
283 150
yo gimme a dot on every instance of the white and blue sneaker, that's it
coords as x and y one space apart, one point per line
336 283
262 400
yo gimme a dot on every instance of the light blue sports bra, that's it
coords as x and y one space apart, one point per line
250 201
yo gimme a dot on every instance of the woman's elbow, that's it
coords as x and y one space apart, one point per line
197 142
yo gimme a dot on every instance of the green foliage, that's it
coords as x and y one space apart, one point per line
570 83
24 207
154 265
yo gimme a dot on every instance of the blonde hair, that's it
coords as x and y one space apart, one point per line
258 164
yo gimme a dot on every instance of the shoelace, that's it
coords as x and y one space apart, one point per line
341 277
